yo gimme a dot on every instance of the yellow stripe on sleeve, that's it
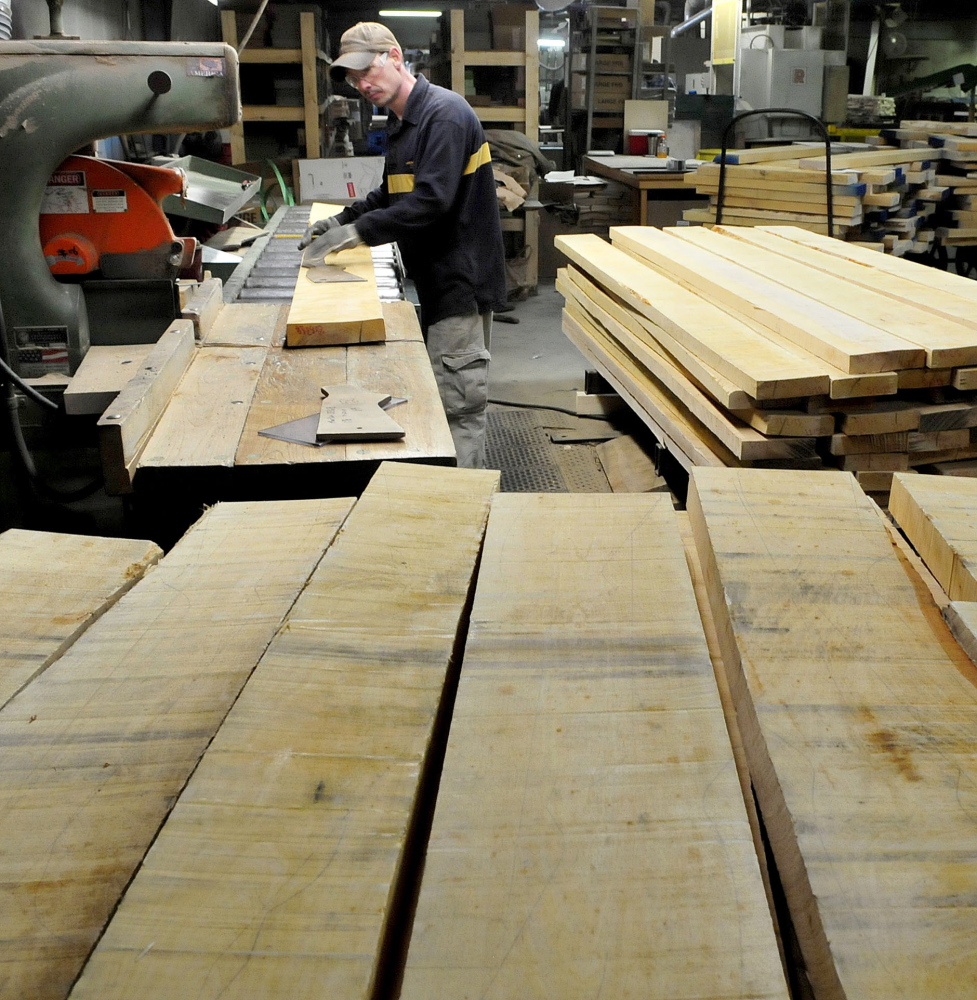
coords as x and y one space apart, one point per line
478 159
400 183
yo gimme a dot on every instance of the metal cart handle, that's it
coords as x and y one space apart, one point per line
778 111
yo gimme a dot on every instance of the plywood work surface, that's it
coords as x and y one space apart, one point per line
97 748
275 873
858 711
52 587
590 836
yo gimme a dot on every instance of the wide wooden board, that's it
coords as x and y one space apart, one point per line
98 747
953 307
202 425
938 514
248 324
752 362
52 587
707 266
590 836
276 872
858 712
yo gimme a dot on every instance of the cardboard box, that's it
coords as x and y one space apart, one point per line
617 86
339 180
606 62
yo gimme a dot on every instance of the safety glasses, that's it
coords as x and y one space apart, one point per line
353 78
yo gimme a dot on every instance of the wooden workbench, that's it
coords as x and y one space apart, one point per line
242 380
636 173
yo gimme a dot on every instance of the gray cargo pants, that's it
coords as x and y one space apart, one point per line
459 351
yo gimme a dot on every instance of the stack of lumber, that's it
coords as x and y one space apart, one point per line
776 346
884 196
857 712
955 143
600 205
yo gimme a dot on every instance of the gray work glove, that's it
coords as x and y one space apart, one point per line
317 229
332 240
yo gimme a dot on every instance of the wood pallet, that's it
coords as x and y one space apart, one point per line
779 346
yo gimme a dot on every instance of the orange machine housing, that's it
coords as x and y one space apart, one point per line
106 216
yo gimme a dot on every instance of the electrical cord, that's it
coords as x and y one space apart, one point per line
555 409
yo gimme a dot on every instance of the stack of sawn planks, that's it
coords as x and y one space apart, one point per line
882 196
955 221
776 346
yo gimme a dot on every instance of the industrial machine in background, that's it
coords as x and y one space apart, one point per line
99 217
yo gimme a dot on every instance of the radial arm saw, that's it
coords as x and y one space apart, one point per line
76 216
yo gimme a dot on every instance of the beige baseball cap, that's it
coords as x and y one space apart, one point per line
360 45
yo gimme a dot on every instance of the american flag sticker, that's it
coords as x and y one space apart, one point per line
42 350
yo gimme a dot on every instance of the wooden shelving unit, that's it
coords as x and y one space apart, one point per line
524 119
309 55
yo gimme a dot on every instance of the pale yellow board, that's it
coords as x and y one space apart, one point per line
590 837
346 312
815 326
102 375
858 712
203 423
672 425
742 440
874 158
938 514
275 873
917 329
932 277
672 428
246 324
98 747
646 115
752 362
52 587
952 307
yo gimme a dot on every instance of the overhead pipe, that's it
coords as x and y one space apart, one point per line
695 11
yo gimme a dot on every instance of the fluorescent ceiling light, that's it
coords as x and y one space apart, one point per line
551 43
410 13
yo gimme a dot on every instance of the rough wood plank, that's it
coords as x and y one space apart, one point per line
203 423
247 324
944 342
53 586
277 870
331 313
102 375
124 431
954 284
952 307
673 429
742 440
936 513
873 158
590 824
864 444
708 267
97 748
751 361
858 713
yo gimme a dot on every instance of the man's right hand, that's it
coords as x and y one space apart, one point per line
317 229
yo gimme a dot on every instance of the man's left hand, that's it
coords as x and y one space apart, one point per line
333 240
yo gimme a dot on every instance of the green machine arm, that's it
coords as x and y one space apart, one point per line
57 96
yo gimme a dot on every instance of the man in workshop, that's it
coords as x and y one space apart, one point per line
437 201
